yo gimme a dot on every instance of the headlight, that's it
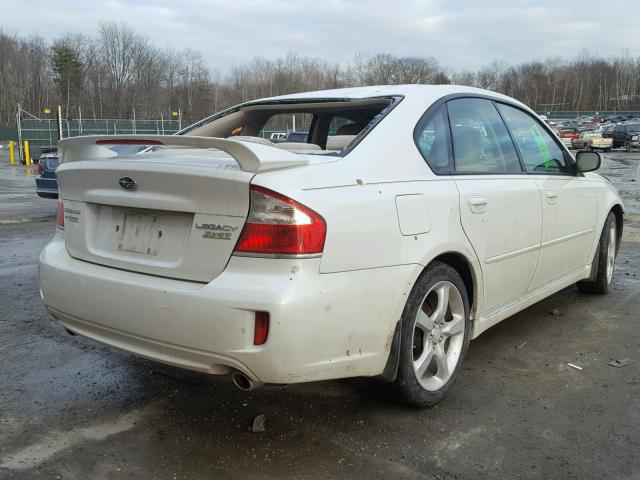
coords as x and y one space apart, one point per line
635 137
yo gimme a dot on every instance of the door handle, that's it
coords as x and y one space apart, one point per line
478 204
552 197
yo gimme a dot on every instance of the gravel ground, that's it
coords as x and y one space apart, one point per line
73 409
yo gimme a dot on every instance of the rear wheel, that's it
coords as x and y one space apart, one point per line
606 259
435 336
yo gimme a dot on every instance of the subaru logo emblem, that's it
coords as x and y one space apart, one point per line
127 183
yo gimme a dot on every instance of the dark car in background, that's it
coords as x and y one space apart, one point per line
627 135
607 132
46 183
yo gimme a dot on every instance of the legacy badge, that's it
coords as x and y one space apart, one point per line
216 231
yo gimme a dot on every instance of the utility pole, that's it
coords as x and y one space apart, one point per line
60 137
19 122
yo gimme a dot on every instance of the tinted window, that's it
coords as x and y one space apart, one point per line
52 163
297 137
540 152
481 142
432 139
633 128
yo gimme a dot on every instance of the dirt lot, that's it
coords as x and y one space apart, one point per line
71 408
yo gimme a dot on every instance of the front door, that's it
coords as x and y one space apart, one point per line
568 199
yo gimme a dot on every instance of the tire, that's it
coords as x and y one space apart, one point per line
434 340
606 259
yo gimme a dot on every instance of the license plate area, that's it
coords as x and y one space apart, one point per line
140 233
132 236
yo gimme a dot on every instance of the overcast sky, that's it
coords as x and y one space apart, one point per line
459 33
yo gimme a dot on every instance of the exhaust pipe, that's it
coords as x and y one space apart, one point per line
243 382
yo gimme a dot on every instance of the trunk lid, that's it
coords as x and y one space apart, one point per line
174 212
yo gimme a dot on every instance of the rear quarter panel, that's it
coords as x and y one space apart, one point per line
357 197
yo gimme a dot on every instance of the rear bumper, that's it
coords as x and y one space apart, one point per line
322 326
47 187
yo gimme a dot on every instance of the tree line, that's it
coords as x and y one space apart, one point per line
118 71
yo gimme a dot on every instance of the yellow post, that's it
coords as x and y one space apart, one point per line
12 152
27 156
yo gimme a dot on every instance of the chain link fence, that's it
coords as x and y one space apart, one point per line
44 134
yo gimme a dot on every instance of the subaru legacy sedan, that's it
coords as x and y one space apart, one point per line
429 215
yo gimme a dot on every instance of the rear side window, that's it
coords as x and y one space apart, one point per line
481 142
540 152
432 139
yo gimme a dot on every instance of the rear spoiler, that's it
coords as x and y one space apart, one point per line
252 157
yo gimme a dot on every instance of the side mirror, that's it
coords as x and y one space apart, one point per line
588 160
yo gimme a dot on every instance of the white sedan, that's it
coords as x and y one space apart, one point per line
412 219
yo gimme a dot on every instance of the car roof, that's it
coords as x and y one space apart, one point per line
408 90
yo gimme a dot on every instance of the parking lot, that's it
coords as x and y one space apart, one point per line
71 408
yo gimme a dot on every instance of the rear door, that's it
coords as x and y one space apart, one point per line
499 204
568 198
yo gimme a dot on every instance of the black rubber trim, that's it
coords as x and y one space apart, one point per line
390 371
395 100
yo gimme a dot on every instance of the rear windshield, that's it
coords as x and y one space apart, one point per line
49 163
326 126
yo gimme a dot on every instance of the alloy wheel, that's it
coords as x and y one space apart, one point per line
611 252
438 335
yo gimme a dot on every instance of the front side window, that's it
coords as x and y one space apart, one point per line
481 142
540 152
432 140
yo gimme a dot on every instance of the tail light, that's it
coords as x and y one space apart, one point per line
280 226
60 216
39 168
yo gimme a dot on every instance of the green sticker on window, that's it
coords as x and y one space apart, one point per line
542 145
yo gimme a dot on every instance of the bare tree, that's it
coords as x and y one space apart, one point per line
119 71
